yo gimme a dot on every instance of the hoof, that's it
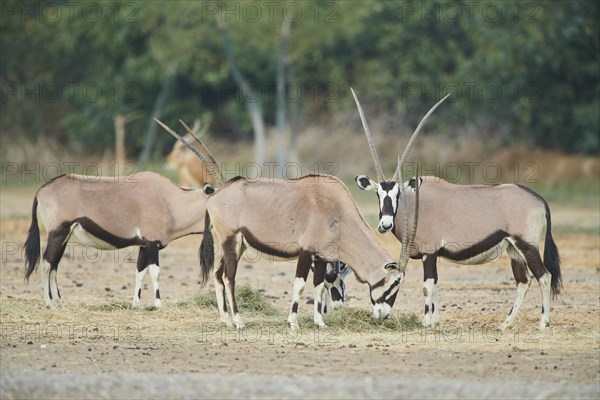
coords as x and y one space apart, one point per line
293 325
158 303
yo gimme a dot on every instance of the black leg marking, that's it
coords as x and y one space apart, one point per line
532 256
335 294
139 293
511 310
432 308
157 293
295 307
430 268
142 261
426 309
519 270
543 309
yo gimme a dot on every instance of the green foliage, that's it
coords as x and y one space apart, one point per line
400 56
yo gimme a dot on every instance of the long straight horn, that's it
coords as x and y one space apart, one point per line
410 240
402 159
204 149
376 163
210 167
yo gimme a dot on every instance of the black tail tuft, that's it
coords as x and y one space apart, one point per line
206 253
551 257
32 244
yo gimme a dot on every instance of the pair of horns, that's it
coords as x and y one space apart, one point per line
212 165
407 243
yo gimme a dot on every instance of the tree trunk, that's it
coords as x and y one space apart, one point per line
156 113
281 104
254 107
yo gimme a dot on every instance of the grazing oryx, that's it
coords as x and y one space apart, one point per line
310 216
468 224
143 209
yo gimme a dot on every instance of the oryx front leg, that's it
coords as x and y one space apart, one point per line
302 270
154 269
319 283
431 315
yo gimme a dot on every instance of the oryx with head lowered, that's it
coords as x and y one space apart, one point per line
467 224
313 216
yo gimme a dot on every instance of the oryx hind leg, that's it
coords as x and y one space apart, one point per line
230 258
302 270
431 315
220 293
531 254
519 268
55 249
319 284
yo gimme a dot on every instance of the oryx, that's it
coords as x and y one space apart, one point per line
142 209
314 215
468 224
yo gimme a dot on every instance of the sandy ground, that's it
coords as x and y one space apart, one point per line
89 350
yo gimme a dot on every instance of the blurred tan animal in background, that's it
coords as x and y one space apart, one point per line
191 170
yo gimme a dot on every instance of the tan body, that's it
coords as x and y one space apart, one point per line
446 222
191 170
311 216
143 209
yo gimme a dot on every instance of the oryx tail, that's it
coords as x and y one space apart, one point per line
32 244
551 256
206 252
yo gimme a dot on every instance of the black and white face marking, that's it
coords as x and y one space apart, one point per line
388 193
383 294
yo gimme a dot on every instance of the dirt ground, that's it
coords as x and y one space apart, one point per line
95 348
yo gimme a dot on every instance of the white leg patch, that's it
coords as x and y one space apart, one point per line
45 271
428 291
512 316
154 275
318 317
297 290
137 292
545 286
435 305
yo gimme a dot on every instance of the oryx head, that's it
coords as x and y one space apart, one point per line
384 292
210 163
391 192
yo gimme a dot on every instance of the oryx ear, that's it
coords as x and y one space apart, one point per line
391 267
208 189
412 183
365 183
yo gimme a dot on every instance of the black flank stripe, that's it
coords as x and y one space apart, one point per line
264 248
475 249
97 231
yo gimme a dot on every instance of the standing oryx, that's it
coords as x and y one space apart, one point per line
468 224
311 216
142 209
